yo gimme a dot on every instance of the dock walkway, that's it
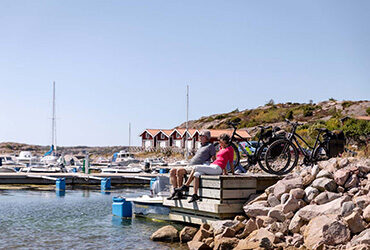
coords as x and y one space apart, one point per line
75 178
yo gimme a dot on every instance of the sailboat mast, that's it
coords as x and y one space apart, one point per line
129 136
187 121
53 126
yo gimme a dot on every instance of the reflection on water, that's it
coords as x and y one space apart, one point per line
76 219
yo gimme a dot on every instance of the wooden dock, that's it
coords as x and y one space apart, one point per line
222 197
75 178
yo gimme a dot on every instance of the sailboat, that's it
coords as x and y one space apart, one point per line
51 157
49 161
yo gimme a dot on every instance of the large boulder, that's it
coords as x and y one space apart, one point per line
341 176
297 193
257 238
326 197
166 234
187 234
324 183
352 182
324 173
310 194
285 185
219 226
226 243
272 200
277 213
198 245
355 222
366 214
291 205
326 230
332 207
250 226
362 238
255 210
203 232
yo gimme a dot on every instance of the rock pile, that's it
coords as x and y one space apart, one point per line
321 207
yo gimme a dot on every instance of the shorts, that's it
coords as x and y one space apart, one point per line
207 170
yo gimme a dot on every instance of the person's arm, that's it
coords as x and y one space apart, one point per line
232 167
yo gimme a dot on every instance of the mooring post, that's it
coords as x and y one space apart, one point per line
60 184
105 184
121 207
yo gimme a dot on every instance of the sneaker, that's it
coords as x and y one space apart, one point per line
172 196
183 188
194 197
178 196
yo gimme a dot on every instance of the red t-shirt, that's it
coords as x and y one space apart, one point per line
224 156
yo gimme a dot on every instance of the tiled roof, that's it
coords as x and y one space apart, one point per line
215 133
366 118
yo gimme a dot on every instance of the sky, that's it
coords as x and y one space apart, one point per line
117 62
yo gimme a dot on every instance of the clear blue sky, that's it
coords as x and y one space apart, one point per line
116 62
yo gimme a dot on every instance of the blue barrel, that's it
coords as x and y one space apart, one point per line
60 184
74 170
121 207
152 182
163 171
105 184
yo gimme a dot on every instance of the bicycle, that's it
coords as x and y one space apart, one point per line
266 136
280 153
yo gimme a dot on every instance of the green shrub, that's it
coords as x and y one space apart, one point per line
220 117
368 110
308 110
235 119
332 99
289 115
346 104
356 129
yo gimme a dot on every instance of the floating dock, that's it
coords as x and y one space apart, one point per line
75 178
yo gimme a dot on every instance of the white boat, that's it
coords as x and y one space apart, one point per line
26 157
152 205
155 162
125 158
121 170
8 160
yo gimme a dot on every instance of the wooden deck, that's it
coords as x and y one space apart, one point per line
222 197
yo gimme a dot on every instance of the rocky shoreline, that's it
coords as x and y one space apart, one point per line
326 206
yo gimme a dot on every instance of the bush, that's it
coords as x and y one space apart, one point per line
357 129
368 111
308 110
235 119
220 117
289 115
346 104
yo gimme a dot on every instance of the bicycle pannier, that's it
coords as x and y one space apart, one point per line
336 143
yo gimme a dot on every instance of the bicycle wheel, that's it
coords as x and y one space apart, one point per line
236 159
281 157
260 155
321 154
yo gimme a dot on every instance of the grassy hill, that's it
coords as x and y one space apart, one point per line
327 114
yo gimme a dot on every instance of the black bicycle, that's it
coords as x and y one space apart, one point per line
282 155
267 135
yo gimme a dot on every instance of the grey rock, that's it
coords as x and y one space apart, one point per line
347 208
326 197
277 213
324 173
272 200
352 182
297 193
284 198
285 185
362 238
315 170
166 234
311 193
355 222
291 205
324 183
255 210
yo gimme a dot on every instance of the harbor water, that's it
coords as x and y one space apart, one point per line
82 219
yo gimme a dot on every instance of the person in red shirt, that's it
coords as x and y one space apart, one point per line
225 155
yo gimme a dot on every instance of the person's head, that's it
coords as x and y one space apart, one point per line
205 136
224 140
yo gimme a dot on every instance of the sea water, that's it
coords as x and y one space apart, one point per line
81 219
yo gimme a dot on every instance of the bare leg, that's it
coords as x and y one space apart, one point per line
180 176
191 177
196 185
173 177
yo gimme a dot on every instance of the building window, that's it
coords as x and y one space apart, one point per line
162 136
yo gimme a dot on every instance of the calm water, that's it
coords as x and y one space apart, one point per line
82 219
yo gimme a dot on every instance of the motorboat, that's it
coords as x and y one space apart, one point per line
154 162
8 160
119 169
124 158
152 205
26 157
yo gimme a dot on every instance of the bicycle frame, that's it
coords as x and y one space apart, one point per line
234 134
293 137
